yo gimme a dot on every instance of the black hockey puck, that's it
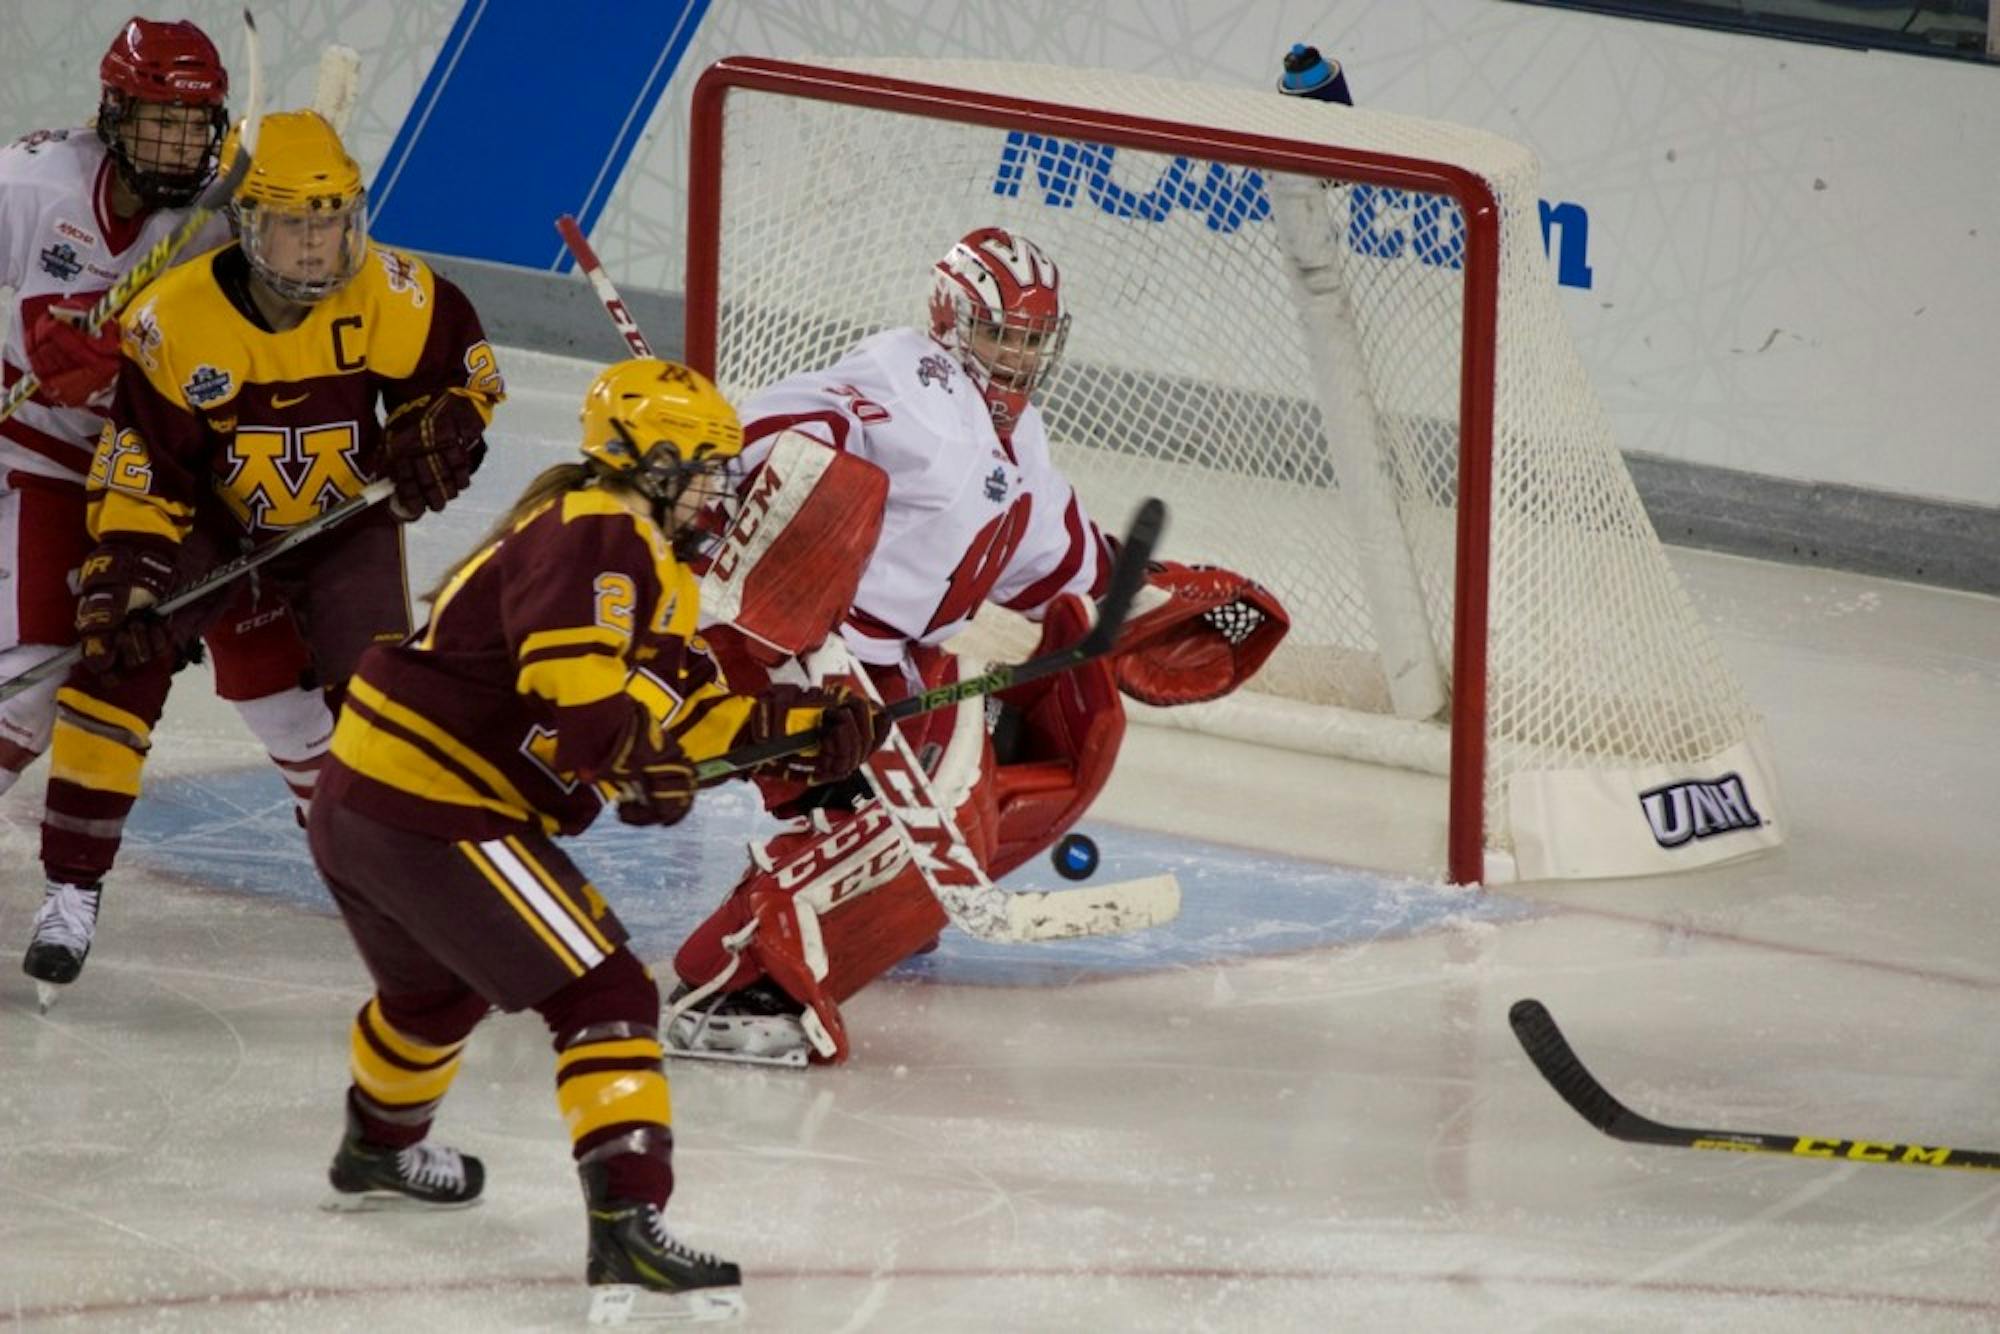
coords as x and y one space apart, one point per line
1075 857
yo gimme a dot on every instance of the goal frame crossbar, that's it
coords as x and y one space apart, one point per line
1478 352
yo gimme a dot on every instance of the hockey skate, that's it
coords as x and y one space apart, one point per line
63 928
639 1271
758 1025
366 1177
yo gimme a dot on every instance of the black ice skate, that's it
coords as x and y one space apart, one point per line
61 938
639 1271
424 1176
758 1024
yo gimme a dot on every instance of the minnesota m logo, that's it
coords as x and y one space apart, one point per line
281 476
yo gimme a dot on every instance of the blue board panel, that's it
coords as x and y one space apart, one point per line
530 111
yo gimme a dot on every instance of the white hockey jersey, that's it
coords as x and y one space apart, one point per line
58 239
969 519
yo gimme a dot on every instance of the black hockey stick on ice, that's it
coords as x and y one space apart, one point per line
1550 1051
155 261
1128 575
222 574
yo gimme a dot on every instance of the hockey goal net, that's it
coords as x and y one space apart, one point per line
1329 338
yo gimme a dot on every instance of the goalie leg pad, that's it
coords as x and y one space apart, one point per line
1065 737
835 906
851 875
789 950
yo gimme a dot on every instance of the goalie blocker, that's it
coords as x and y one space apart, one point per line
841 895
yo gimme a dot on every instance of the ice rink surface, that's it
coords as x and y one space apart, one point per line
1299 1107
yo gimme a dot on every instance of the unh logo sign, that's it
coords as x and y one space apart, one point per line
1681 813
1384 223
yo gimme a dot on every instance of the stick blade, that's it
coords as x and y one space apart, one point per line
336 86
1107 910
1546 1046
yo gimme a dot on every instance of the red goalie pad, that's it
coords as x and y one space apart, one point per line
805 527
1070 727
1209 636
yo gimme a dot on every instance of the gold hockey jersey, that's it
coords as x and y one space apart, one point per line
216 415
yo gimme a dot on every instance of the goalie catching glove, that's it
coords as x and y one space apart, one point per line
1197 633
431 447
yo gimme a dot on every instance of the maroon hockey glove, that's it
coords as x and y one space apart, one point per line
73 366
431 448
114 636
656 782
850 727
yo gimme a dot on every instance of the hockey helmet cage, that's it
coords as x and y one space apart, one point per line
166 158
997 306
300 211
657 425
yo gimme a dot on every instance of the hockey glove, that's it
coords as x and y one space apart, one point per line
117 630
655 781
73 366
431 448
850 727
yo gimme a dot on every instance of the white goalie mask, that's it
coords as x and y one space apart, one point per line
996 305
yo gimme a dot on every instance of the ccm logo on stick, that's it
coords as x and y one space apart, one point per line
1682 812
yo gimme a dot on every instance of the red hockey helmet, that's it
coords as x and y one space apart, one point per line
996 303
161 114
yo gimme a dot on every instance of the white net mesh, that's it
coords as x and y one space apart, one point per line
1199 370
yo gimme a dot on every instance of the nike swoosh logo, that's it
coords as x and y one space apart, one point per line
277 402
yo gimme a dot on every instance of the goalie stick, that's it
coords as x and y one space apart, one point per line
216 578
165 250
1550 1051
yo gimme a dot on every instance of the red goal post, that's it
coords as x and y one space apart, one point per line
1323 418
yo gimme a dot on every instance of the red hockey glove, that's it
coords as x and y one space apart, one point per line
431 447
1202 632
656 781
115 635
850 727
73 366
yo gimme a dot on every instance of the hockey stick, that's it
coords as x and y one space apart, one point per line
165 250
953 873
1550 1051
336 85
216 578
600 282
1128 575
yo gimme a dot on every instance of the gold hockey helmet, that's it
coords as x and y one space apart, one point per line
299 212
659 425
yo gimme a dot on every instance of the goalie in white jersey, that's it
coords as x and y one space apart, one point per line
78 209
971 510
